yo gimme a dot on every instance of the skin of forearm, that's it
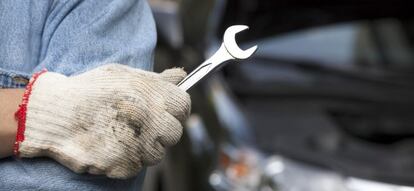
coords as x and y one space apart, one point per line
9 103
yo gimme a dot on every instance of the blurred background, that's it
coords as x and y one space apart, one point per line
326 104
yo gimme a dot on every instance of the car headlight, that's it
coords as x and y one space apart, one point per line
246 169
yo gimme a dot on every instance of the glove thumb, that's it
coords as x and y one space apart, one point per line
174 75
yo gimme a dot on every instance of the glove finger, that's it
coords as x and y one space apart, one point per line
95 171
178 103
174 75
130 112
152 153
169 130
123 171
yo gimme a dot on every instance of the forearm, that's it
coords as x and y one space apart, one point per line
9 103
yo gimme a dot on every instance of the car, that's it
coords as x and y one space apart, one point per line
325 104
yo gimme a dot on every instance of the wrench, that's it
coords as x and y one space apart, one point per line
229 50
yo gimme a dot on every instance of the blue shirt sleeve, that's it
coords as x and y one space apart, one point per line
69 37
79 35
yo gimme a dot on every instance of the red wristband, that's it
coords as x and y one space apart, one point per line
20 114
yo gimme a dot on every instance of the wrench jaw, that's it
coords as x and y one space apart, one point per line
249 52
230 44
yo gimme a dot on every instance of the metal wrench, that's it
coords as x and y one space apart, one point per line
229 50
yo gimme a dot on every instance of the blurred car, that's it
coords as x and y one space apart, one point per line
325 104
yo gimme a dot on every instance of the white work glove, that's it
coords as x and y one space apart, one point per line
112 120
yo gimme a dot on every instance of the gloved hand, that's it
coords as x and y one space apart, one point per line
112 120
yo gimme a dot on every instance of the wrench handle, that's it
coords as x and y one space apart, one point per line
195 76
218 59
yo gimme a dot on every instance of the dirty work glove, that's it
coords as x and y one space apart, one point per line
112 120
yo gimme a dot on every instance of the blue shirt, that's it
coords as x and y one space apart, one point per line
68 37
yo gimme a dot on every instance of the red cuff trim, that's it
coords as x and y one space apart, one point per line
20 114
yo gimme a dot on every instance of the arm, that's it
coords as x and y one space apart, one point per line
98 117
82 35
9 102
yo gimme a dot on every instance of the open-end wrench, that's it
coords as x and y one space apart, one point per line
229 50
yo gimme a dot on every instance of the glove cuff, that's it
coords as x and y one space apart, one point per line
48 115
21 113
